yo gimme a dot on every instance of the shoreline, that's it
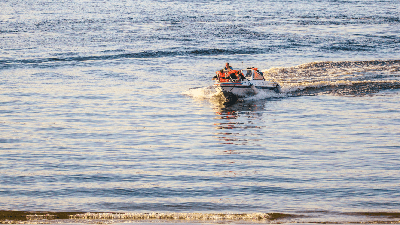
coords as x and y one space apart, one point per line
48 217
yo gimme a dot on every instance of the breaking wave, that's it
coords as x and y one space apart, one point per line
50 61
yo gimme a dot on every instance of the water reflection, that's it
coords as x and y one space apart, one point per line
239 124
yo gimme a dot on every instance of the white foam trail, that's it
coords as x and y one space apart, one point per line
212 94
332 71
317 75
202 92
265 94
292 87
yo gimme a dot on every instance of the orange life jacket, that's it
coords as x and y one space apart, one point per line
228 75
257 75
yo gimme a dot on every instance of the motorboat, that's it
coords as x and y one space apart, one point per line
235 84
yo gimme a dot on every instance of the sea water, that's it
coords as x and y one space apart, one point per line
108 106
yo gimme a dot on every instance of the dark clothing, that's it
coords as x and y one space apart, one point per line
229 68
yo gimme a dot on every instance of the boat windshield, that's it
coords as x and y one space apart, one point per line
247 73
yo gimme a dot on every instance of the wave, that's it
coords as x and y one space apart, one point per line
331 69
342 78
45 62
347 20
345 88
195 217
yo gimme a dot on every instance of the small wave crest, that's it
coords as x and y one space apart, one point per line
202 92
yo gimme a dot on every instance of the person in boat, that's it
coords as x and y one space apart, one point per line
237 75
229 72
227 67
224 70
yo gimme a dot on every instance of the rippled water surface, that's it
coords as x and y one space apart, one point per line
109 107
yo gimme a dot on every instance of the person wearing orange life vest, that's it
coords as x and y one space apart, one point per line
223 74
228 73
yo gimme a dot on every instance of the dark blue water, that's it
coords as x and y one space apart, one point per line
108 106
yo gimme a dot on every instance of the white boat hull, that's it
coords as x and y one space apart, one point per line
241 91
251 83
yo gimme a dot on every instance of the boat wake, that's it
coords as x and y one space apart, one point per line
356 78
345 78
